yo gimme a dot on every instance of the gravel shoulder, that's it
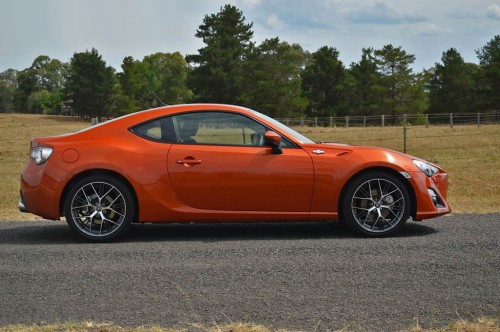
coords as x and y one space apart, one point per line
303 276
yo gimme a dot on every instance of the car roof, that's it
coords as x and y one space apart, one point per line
132 119
171 109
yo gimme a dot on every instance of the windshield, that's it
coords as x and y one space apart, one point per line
286 129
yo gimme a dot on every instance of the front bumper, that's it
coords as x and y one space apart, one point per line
431 195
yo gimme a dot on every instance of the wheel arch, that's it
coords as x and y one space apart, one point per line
99 172
387 170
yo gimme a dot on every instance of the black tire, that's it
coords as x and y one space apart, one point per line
99 208
376 204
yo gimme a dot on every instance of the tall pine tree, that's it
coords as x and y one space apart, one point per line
366 84
401 91
218 72
91 84
489 59
273 79
451 87
324 83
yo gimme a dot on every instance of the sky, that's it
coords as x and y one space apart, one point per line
120 28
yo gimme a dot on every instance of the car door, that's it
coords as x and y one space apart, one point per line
221 163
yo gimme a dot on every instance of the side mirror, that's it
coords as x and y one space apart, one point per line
273 140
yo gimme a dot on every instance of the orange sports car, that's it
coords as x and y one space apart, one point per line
221 163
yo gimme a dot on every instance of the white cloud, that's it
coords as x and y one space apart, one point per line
275 23
251 3
493 11
432 29
380 13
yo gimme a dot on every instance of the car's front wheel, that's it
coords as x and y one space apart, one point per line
376 204
99 208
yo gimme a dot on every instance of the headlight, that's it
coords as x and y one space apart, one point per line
427 168
40 154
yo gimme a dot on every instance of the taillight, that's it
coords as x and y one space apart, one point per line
40 154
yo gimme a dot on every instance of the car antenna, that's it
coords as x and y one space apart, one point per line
161 101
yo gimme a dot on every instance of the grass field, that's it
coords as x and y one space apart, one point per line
469 154
16 131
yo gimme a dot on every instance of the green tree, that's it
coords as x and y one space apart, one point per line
8 86
489 59
401 91
452 85
136 85
218 74
26 85
366 88
273 82
163 74
49 74
45 74
91 84
324 83
171 72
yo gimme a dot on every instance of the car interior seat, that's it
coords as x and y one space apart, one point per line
187 130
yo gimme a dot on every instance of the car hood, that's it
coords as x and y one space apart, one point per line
367 155
348 147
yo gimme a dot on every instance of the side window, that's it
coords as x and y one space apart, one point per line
219 128
160 130
210 127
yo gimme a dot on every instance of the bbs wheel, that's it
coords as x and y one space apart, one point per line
376 204
99 208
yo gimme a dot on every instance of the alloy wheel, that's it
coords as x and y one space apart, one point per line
378 205
98 209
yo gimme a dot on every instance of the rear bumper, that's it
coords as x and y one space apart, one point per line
41 189
21 205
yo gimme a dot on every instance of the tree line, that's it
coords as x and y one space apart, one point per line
275 77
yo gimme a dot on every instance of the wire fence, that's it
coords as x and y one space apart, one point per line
451 119
405 122
406 133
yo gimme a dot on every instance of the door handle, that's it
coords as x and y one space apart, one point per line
189 162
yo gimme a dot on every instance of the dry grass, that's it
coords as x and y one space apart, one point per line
16 131
483 324
480 325
107 327
469 154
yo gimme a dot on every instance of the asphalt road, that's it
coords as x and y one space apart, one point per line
315 276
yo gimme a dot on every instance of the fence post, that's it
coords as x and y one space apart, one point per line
427 121
302 122
364 121
331 121
383 120
478 119
451 120
404 133
347 121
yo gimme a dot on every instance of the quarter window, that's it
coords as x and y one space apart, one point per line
160 130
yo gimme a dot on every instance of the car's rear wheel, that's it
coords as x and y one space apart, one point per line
99 208
376 204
